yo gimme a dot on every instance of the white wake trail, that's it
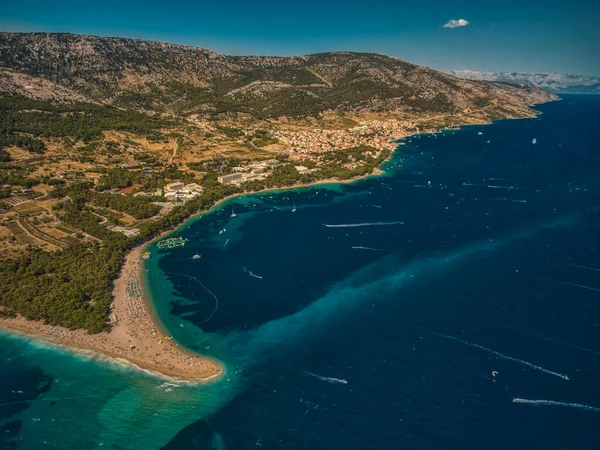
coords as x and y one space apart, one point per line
553 403
567 344
363 224
249 272
510 188
358 247
510 200
582 286
500 355
584 267
327 379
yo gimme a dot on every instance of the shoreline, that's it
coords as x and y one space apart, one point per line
138 336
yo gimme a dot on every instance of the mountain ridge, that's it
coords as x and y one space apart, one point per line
177 79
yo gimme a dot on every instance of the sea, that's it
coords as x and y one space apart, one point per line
452 302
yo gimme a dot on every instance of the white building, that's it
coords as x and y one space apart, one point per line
193 187
173 187
224 179
183 192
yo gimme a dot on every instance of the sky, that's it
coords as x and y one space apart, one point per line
509 35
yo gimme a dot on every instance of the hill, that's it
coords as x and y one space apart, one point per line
182 80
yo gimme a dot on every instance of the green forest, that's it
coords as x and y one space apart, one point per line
82 121
138 207
10 139
73 288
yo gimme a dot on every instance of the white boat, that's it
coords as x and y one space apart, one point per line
196 256
294 208
534 141
480 133
220 231
233 214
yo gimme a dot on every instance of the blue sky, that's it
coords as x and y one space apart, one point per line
525 35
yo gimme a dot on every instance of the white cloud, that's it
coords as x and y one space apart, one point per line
457 23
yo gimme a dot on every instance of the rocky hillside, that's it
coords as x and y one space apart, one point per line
182 80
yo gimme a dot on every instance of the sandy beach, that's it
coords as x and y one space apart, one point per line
135 336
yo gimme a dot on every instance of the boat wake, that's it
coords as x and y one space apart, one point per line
509 188
363 224
326 379
584 267
503 199
358 247
553 403
582 286
249 272
500 355
558 341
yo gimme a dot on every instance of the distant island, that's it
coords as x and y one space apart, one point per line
558 83
106 143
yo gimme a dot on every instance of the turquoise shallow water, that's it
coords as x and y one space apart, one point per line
372 317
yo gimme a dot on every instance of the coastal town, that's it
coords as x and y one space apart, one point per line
376 133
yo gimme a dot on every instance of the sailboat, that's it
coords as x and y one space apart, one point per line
233 214
294 208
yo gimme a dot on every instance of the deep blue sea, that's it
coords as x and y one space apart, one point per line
407 310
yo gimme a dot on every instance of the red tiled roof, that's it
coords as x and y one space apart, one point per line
129 190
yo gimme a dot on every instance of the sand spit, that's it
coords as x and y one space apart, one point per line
135 337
